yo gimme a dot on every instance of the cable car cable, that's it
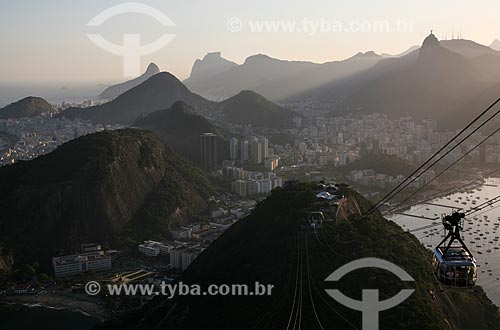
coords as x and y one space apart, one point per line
394 191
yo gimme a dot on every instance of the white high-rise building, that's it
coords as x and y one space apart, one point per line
244 151
79 263
256 151
342 159
233 148
340 138
208 148
265 146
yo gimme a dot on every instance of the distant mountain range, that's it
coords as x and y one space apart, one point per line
467 48
249 107
28 107
446 80
112 187
406 52
160 91
273 78
115 90
436 81
180 127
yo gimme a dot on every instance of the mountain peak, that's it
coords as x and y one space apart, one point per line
258 57
158 92
429 48
180 127
249 96
30 106
495 45
212 56
430 41
152 69
116 90
249 93
368 54
211 64
182 107
249 107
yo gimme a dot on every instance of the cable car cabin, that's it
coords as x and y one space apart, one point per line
454 264
457 268
315 219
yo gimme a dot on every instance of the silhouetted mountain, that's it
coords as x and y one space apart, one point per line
406 52
115 90
28 107
275 246
249 107
432 82
467 48
277 79
495 45
111 187
180 127
211 65
158 92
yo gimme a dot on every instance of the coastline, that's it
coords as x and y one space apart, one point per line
59 302
486 256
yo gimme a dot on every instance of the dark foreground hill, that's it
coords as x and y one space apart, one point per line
271 246
28 107
180 127
110 187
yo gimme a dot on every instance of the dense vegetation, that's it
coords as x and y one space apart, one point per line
383 164
249 107
263 247
27 107
180 127
185 187
95 189
160 91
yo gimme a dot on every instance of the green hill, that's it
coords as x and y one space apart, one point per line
160 91
107 187
180 127
269 246
249 107
27 107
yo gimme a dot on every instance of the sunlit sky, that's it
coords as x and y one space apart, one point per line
46 40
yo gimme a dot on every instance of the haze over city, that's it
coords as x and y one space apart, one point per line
189 165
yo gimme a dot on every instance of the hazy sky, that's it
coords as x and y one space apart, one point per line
46 40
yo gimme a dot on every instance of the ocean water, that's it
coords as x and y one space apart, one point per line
53 93
20 317
481 230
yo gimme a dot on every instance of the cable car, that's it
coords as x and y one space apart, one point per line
315 219
454 265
